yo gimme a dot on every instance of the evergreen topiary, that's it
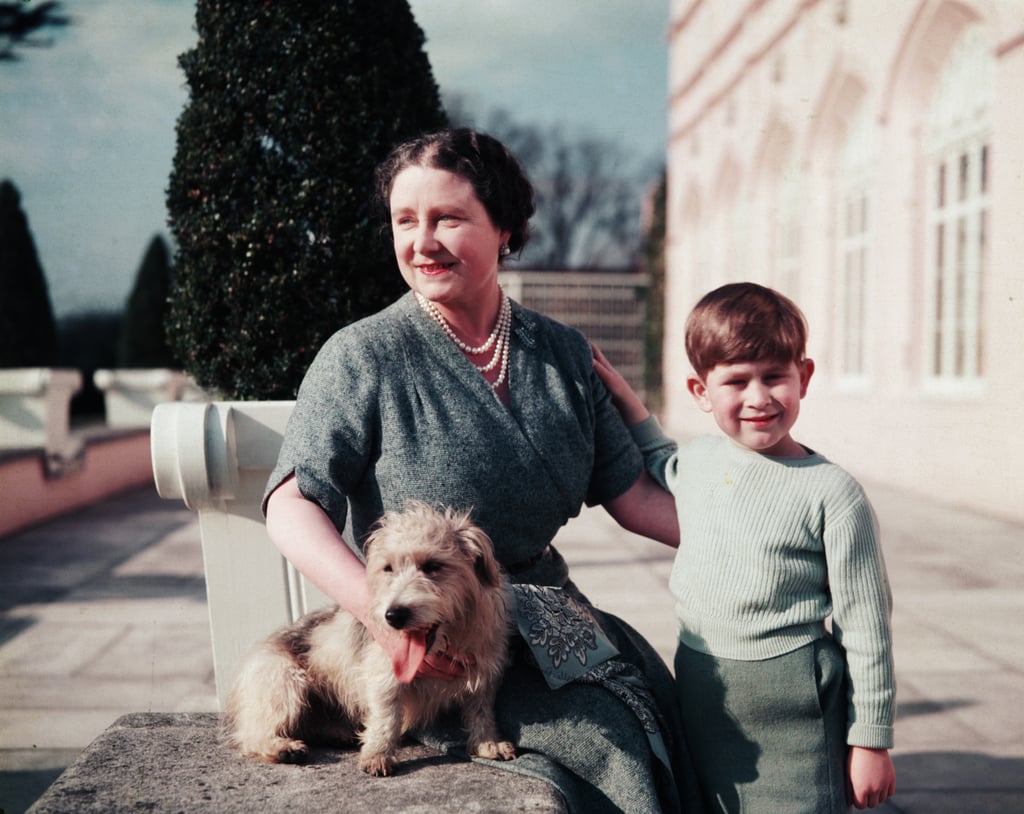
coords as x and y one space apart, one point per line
654 265
28 332
143 341
292 106
87 342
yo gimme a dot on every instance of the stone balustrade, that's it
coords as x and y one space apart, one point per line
35 408
130 395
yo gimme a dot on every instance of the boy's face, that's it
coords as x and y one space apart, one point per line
756 403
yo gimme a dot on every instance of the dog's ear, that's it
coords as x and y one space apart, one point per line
376 531
475 540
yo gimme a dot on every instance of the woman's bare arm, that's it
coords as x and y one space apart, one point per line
645 508
307 538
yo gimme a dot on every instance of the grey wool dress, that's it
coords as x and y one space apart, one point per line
390 410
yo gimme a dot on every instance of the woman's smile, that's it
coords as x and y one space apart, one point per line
445 243
431 269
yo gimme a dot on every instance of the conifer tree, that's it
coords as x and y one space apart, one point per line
292 105
142 341
28 333
653 255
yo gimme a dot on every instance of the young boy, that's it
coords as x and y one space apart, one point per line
779 714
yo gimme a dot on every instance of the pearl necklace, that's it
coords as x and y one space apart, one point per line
499 338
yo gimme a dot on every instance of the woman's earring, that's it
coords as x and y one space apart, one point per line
504 251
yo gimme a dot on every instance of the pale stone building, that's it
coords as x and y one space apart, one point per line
866 157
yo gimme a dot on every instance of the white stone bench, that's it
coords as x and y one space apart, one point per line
216 457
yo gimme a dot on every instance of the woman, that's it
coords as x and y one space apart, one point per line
456 396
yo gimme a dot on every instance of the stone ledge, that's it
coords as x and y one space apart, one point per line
174 762
112 462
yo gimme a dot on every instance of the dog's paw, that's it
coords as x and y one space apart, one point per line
378 765
494 750
276 750
295 752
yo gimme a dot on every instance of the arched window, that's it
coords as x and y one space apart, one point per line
854 229
957 134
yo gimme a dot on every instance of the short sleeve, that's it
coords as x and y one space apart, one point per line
617 461
330 433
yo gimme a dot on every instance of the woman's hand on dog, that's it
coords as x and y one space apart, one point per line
442 666
309 540
409 658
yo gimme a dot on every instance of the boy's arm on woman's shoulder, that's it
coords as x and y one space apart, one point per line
656 447
626 401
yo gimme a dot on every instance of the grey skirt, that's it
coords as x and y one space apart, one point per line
589 737
767 736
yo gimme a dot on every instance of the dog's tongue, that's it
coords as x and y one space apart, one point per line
406 661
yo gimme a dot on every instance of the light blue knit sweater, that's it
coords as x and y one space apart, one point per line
770 548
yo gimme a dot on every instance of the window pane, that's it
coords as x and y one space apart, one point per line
980 331
955 136
983 170
960 298
940 246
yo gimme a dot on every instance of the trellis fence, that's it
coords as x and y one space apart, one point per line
608 307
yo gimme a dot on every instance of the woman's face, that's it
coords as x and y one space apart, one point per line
445 243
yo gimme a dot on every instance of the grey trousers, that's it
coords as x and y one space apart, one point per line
767 736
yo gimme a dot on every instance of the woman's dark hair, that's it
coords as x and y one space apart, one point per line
500 183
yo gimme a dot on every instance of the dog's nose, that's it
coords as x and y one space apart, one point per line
398 616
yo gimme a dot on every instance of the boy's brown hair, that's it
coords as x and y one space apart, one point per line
744 322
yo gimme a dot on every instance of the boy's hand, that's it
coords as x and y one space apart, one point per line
871 777
626 401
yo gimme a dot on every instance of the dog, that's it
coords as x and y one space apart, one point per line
324 679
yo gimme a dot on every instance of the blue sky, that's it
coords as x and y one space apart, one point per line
87 126
597 64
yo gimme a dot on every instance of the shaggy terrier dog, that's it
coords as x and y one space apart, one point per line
324 679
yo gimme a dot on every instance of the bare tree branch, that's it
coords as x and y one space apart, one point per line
18 22
589 191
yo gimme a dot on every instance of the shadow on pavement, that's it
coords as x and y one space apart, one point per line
957 783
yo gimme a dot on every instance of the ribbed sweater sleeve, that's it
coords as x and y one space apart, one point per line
770 548
861 612
657 448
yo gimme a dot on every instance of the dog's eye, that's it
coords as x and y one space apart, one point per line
387 569
431 567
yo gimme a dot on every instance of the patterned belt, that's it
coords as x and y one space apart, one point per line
526 565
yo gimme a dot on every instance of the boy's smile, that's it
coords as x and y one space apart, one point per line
756 403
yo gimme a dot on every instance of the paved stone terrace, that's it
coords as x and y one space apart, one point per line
102 613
